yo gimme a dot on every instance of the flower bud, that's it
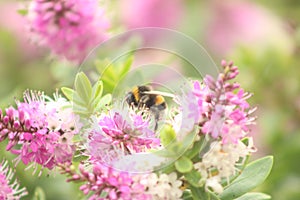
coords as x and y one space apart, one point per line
21 115
16 124
5 120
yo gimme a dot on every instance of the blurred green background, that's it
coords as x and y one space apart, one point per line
261 37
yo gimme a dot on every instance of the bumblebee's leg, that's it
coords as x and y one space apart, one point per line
143 101
156 118
156 112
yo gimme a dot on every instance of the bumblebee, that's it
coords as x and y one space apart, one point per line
143 97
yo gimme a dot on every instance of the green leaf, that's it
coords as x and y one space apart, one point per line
167 135
83 87
193 177
254 195
213 196
188 139
68 92
168 169
97 90
195 150
168 153
39 194
105 100
87 99
184 165
126 66
98 101
83 112
253 175
78 101
199 193
101 65
77 138
112 72
187 195
79 158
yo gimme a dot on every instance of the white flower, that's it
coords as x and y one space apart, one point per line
176 184
214 155
68 119
163 187
220 162
214 184
177 122
200 167
186 114
60 115
53 123
66 138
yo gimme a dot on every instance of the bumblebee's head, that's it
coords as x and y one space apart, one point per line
143 88
136 93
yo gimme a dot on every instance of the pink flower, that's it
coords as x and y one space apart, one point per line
223 106
9 189
188 114
214 126
117 135
71 28
106 183
202 95
33 134
151 13
239 98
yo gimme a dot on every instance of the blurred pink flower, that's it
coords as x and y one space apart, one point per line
15 27
71 28
9 189
151 13
233 23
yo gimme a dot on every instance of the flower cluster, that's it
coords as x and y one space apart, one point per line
163 186
121 134
202 147
9 189
221 162
221 111
107 183
40 131
225 119
71 28
225 113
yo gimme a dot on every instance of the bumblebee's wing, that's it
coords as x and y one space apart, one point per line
166 94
